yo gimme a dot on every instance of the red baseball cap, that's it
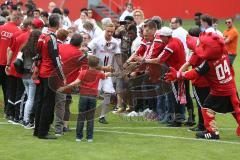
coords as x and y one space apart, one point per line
38 23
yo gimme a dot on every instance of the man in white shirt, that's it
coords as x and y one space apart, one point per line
207 23
92 29
80 21
105 47
179 32
127 12
66 20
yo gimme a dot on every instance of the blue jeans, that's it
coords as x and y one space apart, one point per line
30 88
86 107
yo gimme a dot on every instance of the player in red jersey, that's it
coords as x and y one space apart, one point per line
216 69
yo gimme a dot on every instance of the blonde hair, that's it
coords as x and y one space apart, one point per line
110 25
140 11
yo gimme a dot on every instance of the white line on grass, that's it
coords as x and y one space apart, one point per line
98 129
155 128
165 136
137 128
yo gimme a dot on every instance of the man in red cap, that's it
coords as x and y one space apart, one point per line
173 55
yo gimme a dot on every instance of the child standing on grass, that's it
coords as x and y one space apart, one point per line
88 81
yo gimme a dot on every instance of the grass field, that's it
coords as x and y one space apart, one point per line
124 139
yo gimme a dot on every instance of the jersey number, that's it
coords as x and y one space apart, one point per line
221 70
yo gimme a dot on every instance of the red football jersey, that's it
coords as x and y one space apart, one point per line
200 81
6 33
148 47
69 55
141 49
18 43
48 48
89 81
156 47
173 54
218 74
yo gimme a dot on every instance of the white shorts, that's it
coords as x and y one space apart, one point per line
106 85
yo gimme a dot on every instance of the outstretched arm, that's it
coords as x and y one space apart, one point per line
173 75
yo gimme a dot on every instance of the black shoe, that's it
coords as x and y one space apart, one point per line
48 136
102 120
66 129
175 124
197 129
207 135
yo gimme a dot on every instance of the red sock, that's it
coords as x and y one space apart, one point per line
209 120
238 128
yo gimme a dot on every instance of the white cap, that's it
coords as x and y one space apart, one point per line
165 31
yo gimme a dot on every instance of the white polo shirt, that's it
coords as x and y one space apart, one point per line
211 29
79 25
181 34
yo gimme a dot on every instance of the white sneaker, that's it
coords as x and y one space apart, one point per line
58 134
10 121
29 126
78 140
90 140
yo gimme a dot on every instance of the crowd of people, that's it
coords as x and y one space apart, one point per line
45 57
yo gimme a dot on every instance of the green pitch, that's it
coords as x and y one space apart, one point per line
124 139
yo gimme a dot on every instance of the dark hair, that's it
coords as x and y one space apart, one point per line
76 40
129 4
66 11
150 24
198 14
30 49
29 7
178 20
84 10
54 20
158 21
207 19
195 32
5 13
129 18
57 10
37 10
14 7
93 61
44 14
214 20
132 27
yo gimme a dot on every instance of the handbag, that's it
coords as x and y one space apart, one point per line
18 63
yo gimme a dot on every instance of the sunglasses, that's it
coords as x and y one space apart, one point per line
228 22
137 15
